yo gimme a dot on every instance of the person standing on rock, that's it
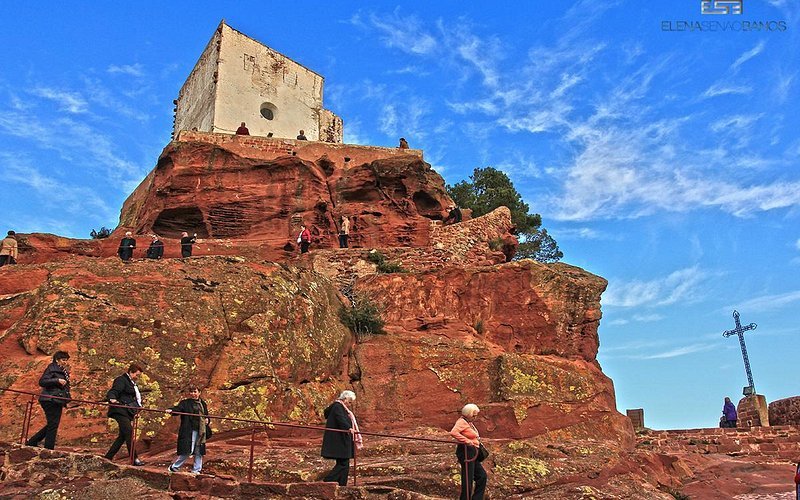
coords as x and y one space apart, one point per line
242 130
156 248
186 244
403 143
340 446
8 249
304 238
124 392
54 382
729 413
466 434
126 246
344 232
193 432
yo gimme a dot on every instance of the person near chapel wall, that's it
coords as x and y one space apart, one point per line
54 397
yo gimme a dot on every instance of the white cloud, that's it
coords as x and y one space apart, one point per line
678 351
70 102
769 302
678 286
136 70
749 55
724 88
648 318
400 31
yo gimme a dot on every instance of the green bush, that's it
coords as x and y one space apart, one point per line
363 319
383 265
496 244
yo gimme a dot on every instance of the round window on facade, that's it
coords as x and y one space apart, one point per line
268 110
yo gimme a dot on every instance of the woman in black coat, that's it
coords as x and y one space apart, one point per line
54 382
339 445
193 432
125 392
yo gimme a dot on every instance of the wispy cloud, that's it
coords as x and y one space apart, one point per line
678 351
724 88
749 55
71 102
768 302
680 285
401 31
136 70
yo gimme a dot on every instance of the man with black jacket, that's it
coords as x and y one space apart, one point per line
156 248
54 382
186 244
124 392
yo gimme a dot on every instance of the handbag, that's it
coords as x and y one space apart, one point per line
483 453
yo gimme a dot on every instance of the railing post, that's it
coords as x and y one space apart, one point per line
252 448
132 458
26 420
355 461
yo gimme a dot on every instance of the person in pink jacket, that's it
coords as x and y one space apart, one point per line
466 434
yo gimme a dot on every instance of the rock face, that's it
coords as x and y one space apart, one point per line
259 189
259 328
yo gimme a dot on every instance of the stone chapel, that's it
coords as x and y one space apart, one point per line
238 79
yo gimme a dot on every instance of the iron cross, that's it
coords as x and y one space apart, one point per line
739 330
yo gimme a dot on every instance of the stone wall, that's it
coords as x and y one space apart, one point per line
469 240
269 148
195 104
779 441
785 411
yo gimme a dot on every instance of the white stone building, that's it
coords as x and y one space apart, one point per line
238 79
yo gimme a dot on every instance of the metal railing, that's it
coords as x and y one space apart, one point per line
257 424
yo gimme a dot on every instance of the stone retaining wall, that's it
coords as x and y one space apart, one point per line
778 441
785 411
469 240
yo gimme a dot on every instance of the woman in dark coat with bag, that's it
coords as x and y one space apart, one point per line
125 392
193 432
54 382
339 445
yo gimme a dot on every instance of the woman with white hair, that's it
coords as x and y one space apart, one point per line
466 434
339 445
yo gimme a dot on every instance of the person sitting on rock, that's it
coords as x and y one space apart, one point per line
403 143
126 246
729 414
301 136
242 130
8 249
186 244
454 217
156 248
194 430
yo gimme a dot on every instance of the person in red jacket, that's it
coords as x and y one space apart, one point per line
304 238
469 441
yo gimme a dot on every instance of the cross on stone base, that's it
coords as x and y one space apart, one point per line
739 330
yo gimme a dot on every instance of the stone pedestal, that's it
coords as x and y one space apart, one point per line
753 412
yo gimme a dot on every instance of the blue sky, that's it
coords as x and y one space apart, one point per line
664 161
